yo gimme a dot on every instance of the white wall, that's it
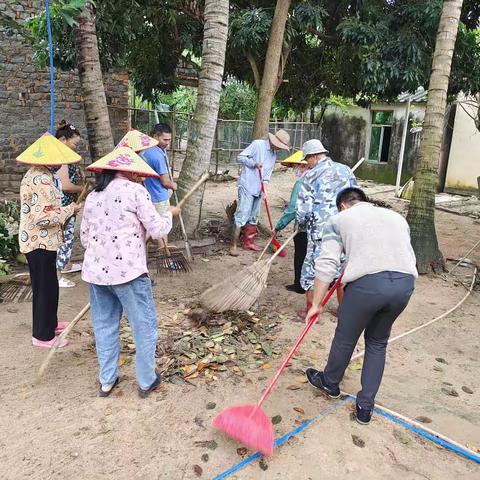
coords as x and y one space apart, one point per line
464 160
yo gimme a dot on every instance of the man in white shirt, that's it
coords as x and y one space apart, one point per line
380 276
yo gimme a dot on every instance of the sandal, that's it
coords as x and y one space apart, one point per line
64 283
106 390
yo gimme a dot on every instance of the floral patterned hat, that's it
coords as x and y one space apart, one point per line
123 159
137 141
48 151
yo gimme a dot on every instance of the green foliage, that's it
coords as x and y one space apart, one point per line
183 99
238 101
9 220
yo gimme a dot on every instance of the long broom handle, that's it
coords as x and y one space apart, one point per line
297 344
180 217
282 247
199 183
267 207
56 346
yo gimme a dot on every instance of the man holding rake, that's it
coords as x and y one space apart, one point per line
257 160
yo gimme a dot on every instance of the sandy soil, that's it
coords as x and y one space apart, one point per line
60 429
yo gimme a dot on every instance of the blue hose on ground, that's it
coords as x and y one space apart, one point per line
52 71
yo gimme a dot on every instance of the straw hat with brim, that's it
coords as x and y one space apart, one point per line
137 141
48 151
313 147
123 159
280 139
294 159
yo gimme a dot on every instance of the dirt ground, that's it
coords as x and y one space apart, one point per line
60 429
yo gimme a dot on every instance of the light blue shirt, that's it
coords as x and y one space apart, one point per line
259 151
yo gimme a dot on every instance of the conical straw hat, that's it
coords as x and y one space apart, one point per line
123 159
48 150
294 159
137 141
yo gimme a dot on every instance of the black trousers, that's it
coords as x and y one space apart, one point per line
43 274
300 241
370 306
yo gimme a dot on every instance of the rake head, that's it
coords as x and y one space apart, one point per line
249 425
16 291
175 262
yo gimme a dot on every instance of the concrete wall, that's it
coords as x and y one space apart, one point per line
464 160
347 136
25 98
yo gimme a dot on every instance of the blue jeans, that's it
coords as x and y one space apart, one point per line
248 208
107 304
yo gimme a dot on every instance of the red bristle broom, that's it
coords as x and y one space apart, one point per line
274 243
249 424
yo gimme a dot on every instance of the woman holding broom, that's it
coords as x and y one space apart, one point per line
117 219
41 231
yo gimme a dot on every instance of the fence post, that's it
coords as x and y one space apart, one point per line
216 147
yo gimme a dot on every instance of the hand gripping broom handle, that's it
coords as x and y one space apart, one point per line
312 321
200 182
267 208
281 248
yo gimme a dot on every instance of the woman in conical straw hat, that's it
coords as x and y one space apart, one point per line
118 217
300 167
41 230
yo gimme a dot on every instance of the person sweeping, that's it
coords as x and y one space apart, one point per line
380 276
118 216
316 203
260 155
300 167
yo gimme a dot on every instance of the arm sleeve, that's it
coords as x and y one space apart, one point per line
304 203
291 209
156 225
85 226
328 262
249 156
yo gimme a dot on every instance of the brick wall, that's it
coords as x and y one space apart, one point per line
25 98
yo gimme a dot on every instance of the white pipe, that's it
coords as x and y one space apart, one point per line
402 149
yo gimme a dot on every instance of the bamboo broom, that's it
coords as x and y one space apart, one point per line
240 291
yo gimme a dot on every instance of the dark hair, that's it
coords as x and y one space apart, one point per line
104 180
66 130
160 128
350 195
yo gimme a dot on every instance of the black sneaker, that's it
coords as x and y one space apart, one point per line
363 415
295 288
145 393
317 380
105 390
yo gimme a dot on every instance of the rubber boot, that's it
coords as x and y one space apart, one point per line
236 237
249 234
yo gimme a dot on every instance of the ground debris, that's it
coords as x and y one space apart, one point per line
450 391
204 344
467 390
423 419
358 441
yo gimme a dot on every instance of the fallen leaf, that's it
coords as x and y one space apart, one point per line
437 368
301 379
401 436
467 390
299 410
441 360
276 419
211 405
212 445
266 366
198 470
450 391
293 387
263 464
474 448
267 349
121 361
242 451
356 366
205 457
423 419
358 441
198 421
206 260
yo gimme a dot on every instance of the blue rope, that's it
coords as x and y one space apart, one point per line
52 72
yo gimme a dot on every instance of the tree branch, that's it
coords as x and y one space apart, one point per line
255 70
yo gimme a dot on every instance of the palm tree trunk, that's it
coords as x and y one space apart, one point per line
421 214
270 80
97 120
204 122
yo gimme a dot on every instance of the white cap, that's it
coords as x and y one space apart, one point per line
313 147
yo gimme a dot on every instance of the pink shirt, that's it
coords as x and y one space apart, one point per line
114 228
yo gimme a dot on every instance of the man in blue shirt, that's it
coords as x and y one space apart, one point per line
156 157
259 155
